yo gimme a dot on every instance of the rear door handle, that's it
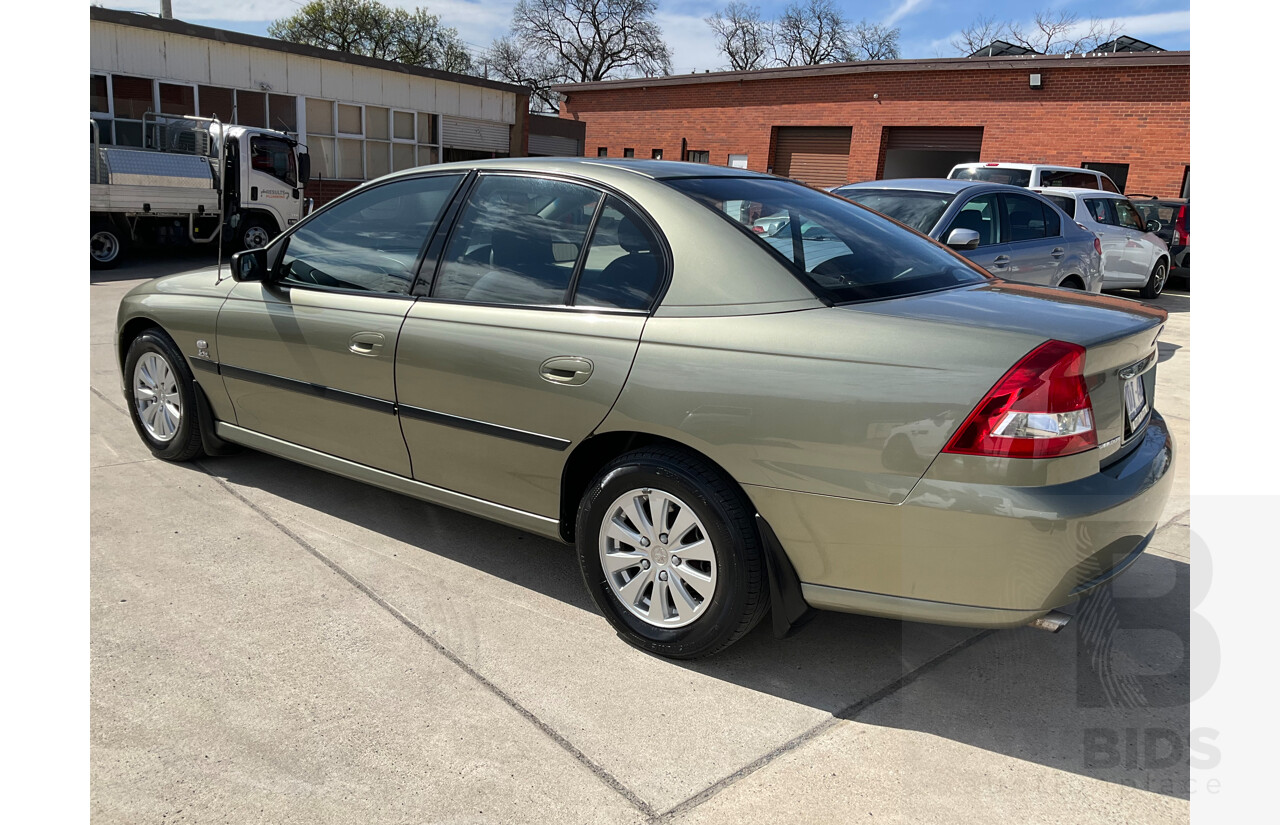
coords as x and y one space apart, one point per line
566 369
1058 252
366 343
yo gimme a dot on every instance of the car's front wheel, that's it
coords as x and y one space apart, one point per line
1155 284
669 552
162 397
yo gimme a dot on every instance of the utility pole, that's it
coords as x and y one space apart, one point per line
166 9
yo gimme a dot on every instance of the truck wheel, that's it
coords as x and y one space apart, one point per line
254 233
106 245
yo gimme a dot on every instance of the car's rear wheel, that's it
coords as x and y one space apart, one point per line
162 397
1155 284
669 552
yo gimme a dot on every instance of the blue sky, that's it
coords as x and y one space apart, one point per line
927 25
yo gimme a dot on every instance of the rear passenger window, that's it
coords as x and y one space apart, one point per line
979 215
1100 211
517 242
622 269
1025 218
1067 205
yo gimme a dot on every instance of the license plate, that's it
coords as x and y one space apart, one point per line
1135 402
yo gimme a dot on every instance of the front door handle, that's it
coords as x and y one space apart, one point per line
366 343
566 369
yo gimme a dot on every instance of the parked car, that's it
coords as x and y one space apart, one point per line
606 354
1034 175
1133 256
1172 222
1007 230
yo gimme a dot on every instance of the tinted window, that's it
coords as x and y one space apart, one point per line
623 268
840 250
1025 218
918 210
517 242
1128 216
994 174
979 214
275 157
1080 180
370 241
1100 211
1064 203
1108 186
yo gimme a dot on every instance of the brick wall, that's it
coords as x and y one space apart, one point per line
1109 113
327 189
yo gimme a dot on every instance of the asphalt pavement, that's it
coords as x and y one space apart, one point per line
270 643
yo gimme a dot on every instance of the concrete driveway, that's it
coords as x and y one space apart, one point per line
270 643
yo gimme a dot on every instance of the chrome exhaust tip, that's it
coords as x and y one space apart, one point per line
1053 621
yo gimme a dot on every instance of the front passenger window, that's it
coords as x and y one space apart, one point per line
372 240
979 215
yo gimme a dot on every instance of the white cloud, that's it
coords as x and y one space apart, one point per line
903 9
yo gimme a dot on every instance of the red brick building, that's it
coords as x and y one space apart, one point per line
1128 114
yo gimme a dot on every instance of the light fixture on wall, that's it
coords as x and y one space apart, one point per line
264 86
1036 82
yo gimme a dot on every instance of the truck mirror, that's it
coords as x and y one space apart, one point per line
249 265
304 169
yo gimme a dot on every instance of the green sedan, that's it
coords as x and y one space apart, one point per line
842 415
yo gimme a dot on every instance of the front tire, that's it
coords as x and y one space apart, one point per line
669 552
1156 283
254 233
162 397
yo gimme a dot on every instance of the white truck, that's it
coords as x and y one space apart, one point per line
196 181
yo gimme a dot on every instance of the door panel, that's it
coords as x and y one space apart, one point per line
982 215
479 415
1030 250
1117 270
294 369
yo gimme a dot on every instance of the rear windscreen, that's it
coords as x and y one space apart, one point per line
918 210
993 174
843 252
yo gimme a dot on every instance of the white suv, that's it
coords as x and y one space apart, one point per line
1031 175
1132 257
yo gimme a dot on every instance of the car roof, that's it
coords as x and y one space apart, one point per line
1079 190
597 168
1001 164
940 185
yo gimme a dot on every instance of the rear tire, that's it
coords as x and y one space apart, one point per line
107 245
1156 283
161 396
680 608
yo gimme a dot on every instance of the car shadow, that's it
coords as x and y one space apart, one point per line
154 263
1166 351
1106 698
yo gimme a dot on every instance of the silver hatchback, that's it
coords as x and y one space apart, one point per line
1007 230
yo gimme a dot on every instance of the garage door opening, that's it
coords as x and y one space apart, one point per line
817 155
929 151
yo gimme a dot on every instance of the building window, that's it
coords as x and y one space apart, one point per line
738 161
1186 183
699 157
602 152
628 153
251 108
657 154
357 142
1118 172
283 111
177 99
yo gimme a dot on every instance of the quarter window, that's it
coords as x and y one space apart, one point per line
622 268
517 242
370 241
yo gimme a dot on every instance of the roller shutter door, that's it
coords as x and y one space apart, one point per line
817 155
936 138
482 135
554 146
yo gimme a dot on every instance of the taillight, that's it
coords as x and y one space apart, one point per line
1181 233
1097 245
1039 409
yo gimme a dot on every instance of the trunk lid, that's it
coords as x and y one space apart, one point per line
1119 337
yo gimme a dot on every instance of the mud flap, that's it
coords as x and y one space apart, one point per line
787 605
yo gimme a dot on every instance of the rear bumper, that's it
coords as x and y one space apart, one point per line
1181 264
974 554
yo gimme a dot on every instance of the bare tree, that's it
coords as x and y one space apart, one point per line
743 36
509 61
593 39
372 29
873 41
1050 32
811 32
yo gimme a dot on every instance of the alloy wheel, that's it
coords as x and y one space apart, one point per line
155 397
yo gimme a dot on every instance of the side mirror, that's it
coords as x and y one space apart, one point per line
963 239
1154 226
249 265
304 168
